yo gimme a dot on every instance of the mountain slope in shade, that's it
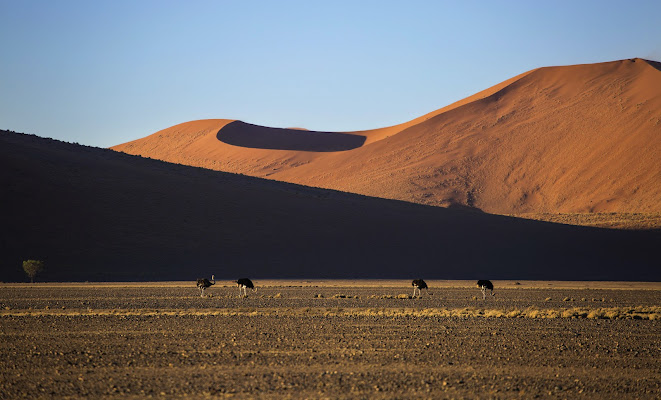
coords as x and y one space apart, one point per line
94 214
582 138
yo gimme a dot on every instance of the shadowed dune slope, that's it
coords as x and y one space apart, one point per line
95 214
571 139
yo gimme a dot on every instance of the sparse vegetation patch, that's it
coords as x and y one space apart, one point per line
640 312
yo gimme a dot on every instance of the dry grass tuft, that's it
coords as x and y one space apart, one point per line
493 314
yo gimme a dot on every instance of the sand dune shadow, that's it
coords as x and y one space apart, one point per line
239 133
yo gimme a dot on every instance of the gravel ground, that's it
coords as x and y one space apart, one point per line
286 341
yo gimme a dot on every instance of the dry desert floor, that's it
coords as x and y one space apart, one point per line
331 339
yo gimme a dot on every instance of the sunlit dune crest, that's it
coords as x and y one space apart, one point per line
570 139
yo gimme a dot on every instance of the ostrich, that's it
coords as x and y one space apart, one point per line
484 286
204 283
244 284
419 284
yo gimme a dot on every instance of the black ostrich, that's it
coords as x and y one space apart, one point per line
204 283
245 284
419 284
485 285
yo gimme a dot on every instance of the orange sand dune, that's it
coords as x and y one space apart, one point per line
582 138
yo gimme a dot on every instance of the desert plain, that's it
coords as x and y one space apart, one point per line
331 339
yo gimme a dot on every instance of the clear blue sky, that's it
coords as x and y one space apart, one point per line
105 72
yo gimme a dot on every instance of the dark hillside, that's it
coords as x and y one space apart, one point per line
95 214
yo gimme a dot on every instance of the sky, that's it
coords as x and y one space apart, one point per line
101 73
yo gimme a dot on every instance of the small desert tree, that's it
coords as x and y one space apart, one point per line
32 268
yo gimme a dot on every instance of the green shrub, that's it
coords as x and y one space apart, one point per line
32 268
